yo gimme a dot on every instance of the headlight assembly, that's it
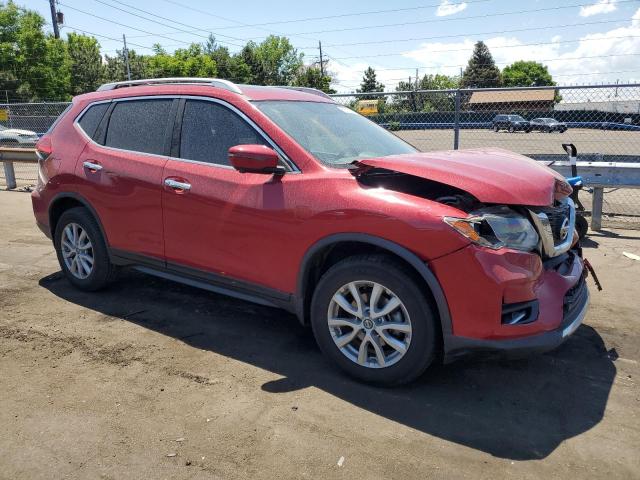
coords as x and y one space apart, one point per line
497 227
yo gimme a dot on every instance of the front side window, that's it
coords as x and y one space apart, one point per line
334 134
139 125
210 129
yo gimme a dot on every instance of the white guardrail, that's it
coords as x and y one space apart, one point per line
596 175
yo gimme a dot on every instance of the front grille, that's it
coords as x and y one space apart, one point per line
574 300
557 216
556 227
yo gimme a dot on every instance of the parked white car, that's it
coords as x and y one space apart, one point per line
15 136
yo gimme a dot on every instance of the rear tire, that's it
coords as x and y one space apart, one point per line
82 251
410 326
495 128
511 129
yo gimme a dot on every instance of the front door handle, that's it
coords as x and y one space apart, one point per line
91 166
169 182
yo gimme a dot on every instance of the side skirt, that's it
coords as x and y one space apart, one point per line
205 280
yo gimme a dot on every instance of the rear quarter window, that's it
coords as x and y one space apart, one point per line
91 118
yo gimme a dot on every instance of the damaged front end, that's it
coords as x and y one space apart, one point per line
523 264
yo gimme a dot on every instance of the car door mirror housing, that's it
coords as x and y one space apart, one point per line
255 159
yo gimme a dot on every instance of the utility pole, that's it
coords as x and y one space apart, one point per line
321 60
126 57
416 79
54 18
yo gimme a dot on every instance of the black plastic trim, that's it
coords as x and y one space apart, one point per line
410 257
206 280
85 203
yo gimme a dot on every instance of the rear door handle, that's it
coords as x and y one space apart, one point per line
94 167
169 182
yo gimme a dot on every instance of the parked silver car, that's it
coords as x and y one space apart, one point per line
16 137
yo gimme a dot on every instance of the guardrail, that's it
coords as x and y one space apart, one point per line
596 175
9 156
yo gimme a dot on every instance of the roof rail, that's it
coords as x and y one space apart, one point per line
312 91
213 82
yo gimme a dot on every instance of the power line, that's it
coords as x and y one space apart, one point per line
357 14
122 24
439 37
165 18
469 17
493 48
557 59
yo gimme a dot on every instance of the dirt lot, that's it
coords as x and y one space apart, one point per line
151 379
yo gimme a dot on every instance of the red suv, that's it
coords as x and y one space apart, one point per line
281 196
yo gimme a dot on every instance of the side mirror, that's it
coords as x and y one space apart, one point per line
254 159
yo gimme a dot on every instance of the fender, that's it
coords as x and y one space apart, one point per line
85 203
408 256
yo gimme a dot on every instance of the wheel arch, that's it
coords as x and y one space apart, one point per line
322 249
62 202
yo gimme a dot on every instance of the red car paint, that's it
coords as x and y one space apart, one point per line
260 228
499 170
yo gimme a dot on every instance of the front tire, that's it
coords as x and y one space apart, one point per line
373 320
511 129
82 251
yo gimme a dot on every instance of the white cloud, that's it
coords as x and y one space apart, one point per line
564 60
601 6
447 8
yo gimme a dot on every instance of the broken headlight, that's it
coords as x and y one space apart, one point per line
497 227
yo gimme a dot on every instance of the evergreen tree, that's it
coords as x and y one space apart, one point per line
370 83
481 71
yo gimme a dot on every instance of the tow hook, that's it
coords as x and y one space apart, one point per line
587 264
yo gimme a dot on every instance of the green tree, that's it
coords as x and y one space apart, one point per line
481 71
526 74
230 67
272 62
85 63
311 76
426 102
33 65
370 83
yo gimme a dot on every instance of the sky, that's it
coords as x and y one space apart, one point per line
581 41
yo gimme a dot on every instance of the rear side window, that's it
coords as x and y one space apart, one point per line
210 129
91 118
139 125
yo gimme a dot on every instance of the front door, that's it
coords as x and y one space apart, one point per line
217 220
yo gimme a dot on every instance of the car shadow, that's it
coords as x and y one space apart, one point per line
518 409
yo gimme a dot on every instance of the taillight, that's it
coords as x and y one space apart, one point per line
44 148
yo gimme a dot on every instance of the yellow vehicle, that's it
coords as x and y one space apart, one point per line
367 107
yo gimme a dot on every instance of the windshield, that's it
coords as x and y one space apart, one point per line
516 118
332 133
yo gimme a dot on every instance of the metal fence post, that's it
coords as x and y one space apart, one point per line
9 175
456 126
596 209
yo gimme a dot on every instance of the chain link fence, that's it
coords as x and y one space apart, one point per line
602 121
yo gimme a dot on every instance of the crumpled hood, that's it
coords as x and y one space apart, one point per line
492 175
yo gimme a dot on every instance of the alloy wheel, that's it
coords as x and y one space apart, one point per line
369 324
77 251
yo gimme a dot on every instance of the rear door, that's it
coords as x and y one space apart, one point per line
121 172
223 222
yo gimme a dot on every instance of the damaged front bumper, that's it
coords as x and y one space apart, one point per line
552 297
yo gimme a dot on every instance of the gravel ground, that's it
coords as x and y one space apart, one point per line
151 379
